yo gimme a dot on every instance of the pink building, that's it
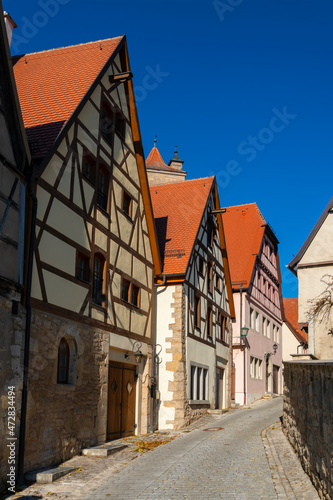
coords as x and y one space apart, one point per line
256 282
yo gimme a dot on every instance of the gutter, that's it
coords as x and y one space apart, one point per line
20 469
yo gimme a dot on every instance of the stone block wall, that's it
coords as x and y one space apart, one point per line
12 328
63 418
307 419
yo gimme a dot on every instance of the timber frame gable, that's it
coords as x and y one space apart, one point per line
95 231
208 280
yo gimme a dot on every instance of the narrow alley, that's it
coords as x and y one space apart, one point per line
240 455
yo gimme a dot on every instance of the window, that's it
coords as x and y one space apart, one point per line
222 331
135 295
217 282
98 296
258 280
82 267
103 188
197 312
63 362
125 290
107 119
268 329
120 124
199 383
201 266
209 323
130 293
274 333
251 318
210 277
263 331
89 167
277 339
127 204
255 368
257 322
66 364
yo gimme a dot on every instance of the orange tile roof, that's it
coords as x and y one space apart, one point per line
244 227
178 209
51 84
291 316
155 161
291 311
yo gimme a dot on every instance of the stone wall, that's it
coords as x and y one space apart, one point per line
184 412
12 327
63 418
307 419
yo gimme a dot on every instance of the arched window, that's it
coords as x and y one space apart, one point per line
63 362
98 296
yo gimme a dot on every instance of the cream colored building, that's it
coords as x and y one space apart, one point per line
313 266
96 255
194 305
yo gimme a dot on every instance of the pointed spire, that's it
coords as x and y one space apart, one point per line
176 158
155 141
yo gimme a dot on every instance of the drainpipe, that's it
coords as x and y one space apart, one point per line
20 468
240 334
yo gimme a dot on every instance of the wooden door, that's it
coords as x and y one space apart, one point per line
121 401
275 379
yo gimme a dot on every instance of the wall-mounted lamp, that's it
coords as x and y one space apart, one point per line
244 331
137 354
268 354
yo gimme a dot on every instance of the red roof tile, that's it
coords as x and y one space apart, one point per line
291 311
291 315
51 84
156 162
244 229
178 209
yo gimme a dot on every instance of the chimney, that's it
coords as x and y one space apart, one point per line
176 162
10 25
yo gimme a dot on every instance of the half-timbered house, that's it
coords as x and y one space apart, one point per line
14 160
256 283
95 251
193 301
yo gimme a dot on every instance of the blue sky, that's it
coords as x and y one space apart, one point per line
242 87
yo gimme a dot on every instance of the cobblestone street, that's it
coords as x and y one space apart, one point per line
240 455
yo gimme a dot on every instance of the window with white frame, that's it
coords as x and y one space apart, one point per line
263 325
255 368
268 329
251 318
274 333
199 383
277 340
257 322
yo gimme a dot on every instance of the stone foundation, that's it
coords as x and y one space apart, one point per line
307 419
12 328
63 418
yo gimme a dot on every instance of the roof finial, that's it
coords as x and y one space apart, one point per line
176 150
155 141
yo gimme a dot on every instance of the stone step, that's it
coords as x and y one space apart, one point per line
218 411
103 450
48 475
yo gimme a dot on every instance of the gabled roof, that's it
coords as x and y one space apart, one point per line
52 83
155 161
291 318
244 228
178 209
293 264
